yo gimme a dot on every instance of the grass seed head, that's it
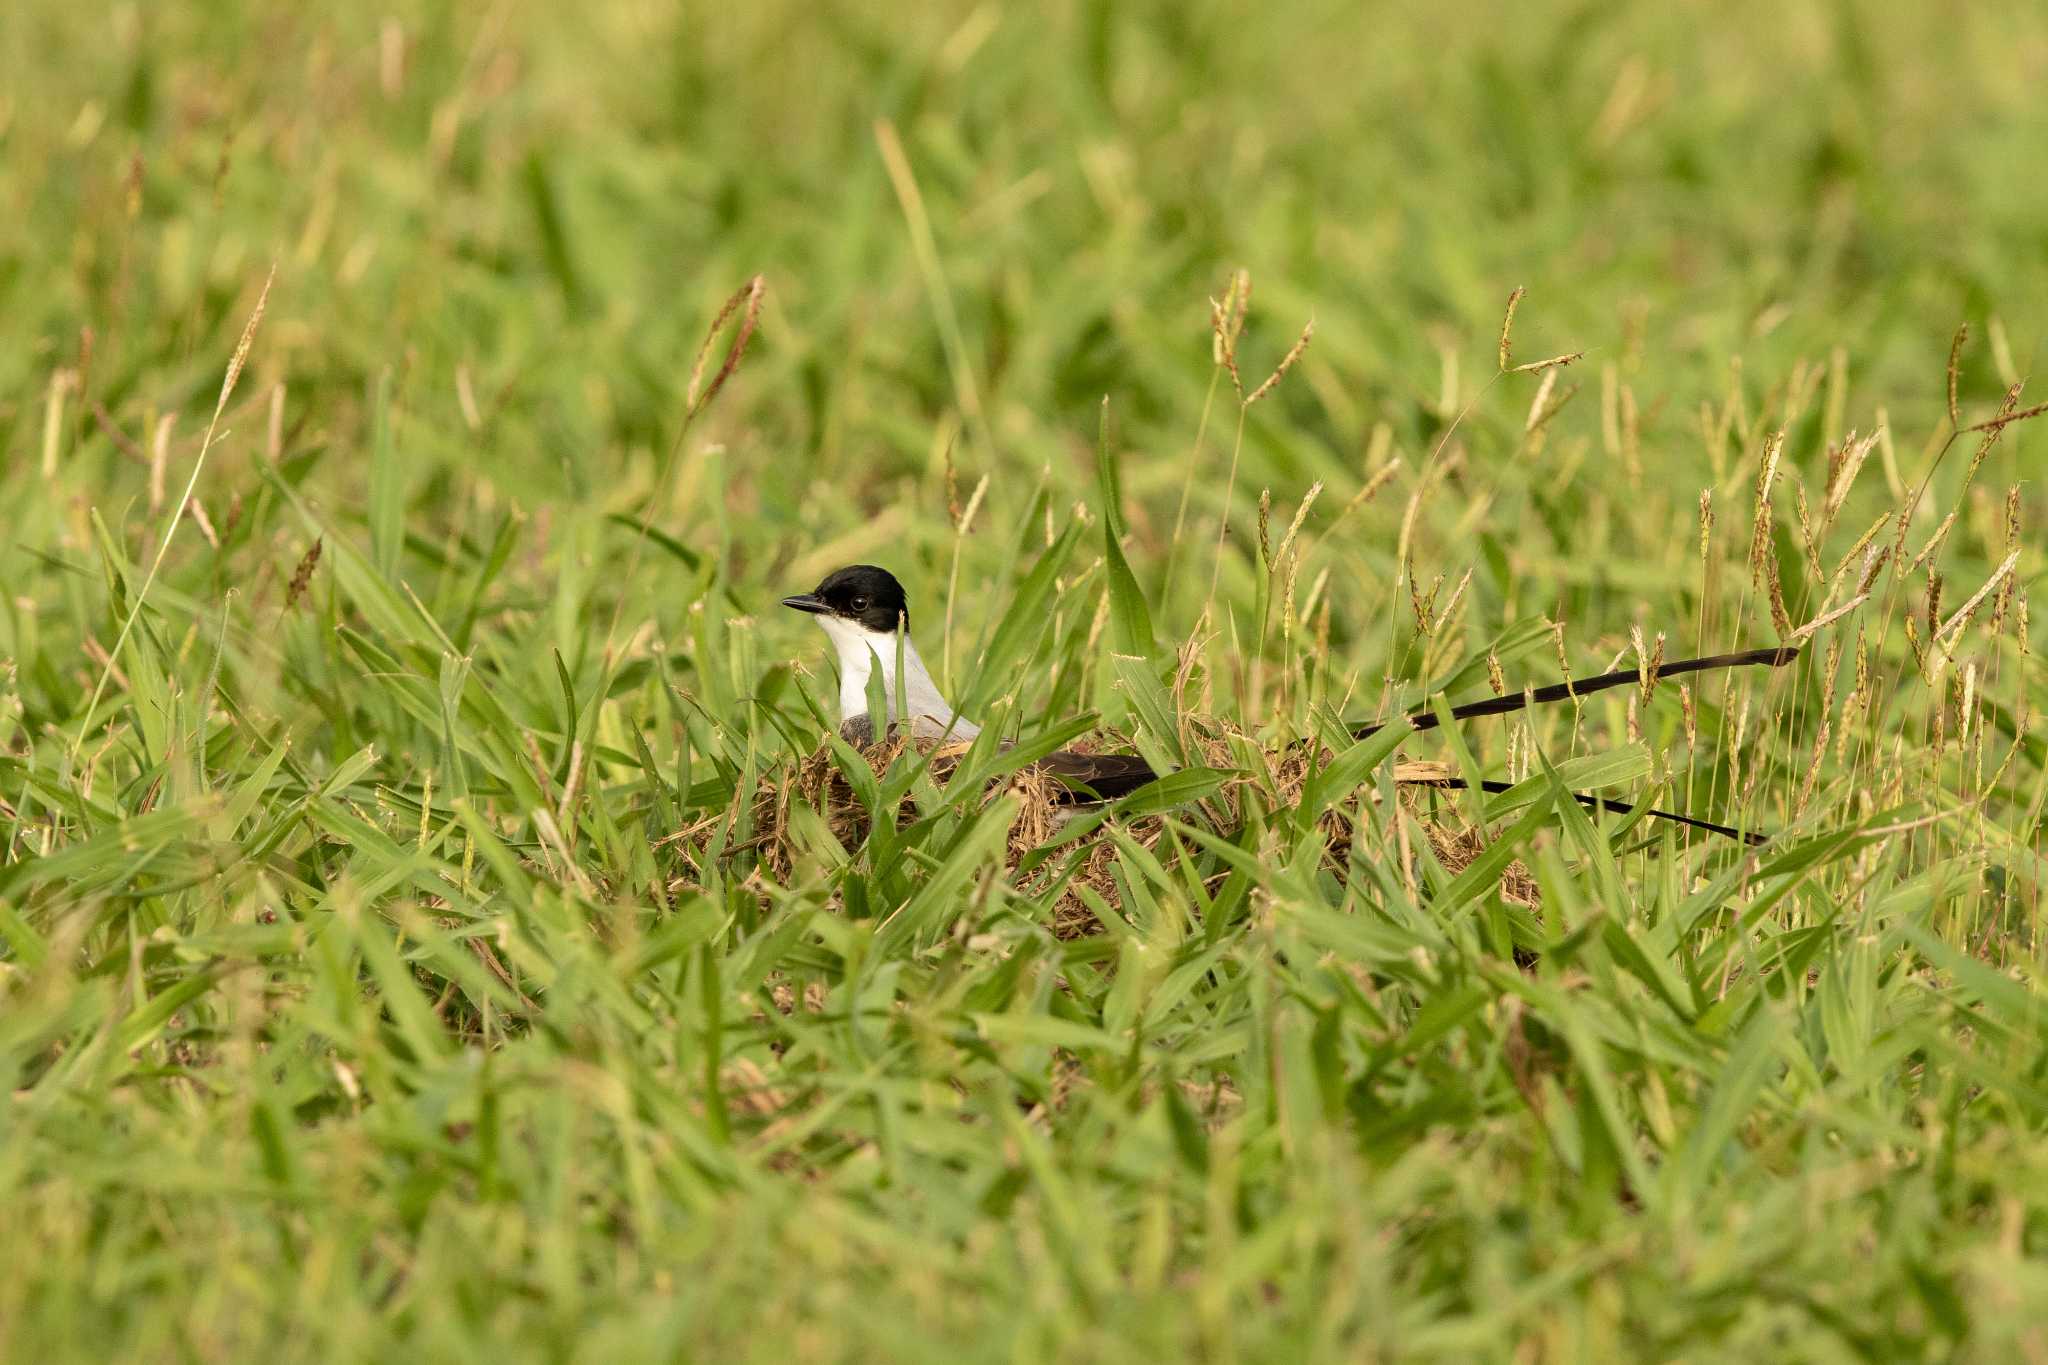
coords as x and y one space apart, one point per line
746 304
1808 535
1780 617
1760 524
1507 325
1294 353
2003 606
1955 366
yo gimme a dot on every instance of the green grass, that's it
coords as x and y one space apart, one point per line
355 1001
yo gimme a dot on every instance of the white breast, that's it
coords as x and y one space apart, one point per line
862 653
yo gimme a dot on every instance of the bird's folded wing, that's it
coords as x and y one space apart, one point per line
1101 777
1085 777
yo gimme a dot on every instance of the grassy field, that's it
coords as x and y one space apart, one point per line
416 940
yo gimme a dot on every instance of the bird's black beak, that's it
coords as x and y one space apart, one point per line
806 601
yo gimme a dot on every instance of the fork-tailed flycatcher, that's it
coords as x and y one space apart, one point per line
864 613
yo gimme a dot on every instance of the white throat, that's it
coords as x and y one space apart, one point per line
862 653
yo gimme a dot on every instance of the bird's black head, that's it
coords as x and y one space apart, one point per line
859 592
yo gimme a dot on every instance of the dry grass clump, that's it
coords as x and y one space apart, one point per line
818 782
1285 771
1264 779
1457 845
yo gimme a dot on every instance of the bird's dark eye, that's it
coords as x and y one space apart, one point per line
860 604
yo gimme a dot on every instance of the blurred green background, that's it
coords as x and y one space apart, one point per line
549 201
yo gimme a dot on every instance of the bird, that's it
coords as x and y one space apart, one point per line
864 612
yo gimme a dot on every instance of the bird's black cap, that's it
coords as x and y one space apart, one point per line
859 592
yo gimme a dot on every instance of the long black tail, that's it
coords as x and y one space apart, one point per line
1776 657
1089 778
1591 802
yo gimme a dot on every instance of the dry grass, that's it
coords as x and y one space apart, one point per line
1263 778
